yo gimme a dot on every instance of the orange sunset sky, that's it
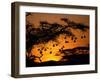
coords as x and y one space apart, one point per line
35 18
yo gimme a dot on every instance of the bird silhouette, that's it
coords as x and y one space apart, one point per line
45 49
74 41
40 52
66 41
72 38
81 37
50 52
53 45
84 36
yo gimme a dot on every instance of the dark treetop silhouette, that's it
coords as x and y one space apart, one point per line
49 31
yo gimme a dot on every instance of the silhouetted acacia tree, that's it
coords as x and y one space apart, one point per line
49 31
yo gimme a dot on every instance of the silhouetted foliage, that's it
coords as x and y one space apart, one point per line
28 13
45 32
73 57
49 31
75 25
